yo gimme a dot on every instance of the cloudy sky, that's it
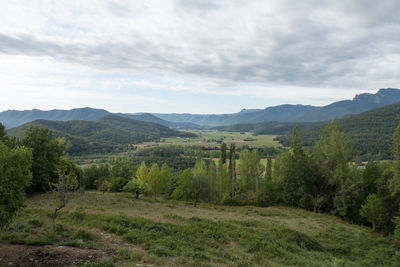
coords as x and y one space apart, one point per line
199 56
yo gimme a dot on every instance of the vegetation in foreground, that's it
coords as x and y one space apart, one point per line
169 233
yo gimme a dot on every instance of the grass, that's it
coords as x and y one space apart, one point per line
210 138
169 233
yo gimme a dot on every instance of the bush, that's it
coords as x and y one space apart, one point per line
117 184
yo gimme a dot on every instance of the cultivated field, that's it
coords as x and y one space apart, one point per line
213 138
110 229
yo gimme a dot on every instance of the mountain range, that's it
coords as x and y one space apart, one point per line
280 113
293 113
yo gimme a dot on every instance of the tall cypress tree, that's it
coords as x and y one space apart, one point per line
222 161
232 168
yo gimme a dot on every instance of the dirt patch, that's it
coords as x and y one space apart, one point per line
22 255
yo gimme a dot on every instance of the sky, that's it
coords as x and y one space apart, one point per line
194 56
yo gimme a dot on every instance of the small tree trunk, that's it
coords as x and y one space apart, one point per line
137 194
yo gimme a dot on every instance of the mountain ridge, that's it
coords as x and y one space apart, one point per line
280 113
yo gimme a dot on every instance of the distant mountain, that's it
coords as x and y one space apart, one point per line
370 132
103 135
276 113
293 113
281 113
360 103
14 118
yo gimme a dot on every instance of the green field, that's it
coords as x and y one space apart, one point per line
214 138
118 230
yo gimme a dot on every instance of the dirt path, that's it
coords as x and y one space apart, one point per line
38 256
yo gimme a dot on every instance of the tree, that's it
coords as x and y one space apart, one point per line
154 179
221 162
64 190
104 186
2 132
165 177
142 172
182 190
46 155
395 183
332 155
250 169
15 177
268 170
137 186
199 186
294 174
212 174
232 168
373 211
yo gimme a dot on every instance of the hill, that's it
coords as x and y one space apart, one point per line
149 231
293 113
370 132
103 135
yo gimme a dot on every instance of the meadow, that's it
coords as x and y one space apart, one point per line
214 138
115 229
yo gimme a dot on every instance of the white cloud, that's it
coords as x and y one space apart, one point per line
313 51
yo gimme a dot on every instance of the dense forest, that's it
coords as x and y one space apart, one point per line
369 133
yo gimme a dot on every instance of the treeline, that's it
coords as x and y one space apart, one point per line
31 164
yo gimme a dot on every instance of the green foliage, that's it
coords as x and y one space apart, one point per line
181 192
373 211
15 177
249 170
93 175
104 135
117 184
154 179
46 155
370 133
396 151
293 172
137 187
164 179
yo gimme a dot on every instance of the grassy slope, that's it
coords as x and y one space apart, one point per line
170 233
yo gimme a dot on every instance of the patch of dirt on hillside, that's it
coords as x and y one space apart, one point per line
27 256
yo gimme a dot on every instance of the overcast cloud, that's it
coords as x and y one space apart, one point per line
174 56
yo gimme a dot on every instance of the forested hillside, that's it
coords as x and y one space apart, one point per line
370 133
107 134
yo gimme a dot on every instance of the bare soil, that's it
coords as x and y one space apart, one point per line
38 256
